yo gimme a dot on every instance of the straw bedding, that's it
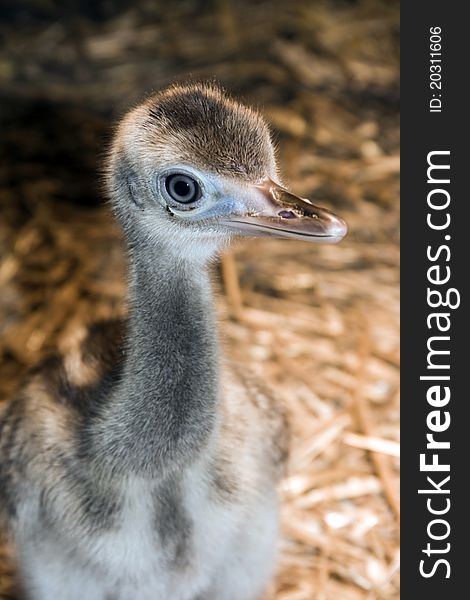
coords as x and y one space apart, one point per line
317 323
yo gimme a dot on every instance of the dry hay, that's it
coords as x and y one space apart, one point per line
318 323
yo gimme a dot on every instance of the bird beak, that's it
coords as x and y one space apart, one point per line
274 211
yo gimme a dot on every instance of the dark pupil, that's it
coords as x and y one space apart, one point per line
182 188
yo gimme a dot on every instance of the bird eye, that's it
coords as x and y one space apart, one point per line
182 189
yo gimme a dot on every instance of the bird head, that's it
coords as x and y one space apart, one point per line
194 168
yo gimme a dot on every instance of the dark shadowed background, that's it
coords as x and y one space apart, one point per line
318 323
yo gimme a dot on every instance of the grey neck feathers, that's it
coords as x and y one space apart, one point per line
163 410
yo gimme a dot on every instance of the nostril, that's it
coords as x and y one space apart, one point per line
287 214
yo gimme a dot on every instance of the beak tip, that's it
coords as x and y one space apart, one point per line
337 229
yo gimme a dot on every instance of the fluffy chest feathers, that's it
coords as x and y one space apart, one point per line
163 543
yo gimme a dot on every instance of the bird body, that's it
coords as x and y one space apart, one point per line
85 528
138 464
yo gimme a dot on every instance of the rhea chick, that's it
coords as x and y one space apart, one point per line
135 466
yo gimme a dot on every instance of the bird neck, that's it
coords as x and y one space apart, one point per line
164 408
